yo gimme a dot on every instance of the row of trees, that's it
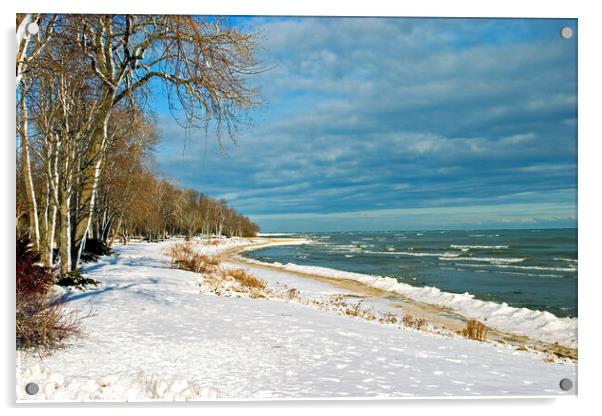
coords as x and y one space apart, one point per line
133 201
85 132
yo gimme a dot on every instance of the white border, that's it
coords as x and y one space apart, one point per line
590 35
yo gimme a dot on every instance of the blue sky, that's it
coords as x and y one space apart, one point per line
387 124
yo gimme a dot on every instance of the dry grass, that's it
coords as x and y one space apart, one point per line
411 322
243 278
342 307
45 325
389 318
292 293
183 256
475 330
42 322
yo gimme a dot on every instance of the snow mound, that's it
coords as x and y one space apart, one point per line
56 386
540 325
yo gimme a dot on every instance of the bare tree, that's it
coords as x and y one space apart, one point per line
27 50
96 66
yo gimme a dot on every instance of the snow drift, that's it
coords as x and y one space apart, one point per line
540 325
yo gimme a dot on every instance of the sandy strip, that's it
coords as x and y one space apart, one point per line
437 315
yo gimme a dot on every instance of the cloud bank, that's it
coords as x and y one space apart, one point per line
369 115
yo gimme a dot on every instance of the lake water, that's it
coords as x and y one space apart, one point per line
536 269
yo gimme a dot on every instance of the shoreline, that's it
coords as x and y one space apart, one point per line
157 334
444 317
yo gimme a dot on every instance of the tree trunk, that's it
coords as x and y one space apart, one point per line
89 187
115 232
32 208
65 233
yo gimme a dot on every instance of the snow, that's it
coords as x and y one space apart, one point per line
539 325
155 336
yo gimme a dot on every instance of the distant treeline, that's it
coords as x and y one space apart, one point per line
85 135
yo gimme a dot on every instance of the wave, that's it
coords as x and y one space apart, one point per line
542 268
541 325
407 253
493 260
274 234
564 259
481 247
463 268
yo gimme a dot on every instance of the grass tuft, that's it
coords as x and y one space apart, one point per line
475 330
183 256
243 278
411 322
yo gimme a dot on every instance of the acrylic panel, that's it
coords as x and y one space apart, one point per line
221 207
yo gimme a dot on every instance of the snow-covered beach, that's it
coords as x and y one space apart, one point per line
155 334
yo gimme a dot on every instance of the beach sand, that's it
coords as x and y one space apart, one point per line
439 316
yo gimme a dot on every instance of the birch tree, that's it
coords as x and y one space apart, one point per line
28 47
203 66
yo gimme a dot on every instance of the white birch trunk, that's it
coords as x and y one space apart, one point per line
26 161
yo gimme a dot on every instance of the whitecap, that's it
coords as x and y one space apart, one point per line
459 246
493 260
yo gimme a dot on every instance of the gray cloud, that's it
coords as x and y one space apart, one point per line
369 113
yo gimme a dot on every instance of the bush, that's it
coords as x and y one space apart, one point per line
475 330
44 324
75 279
416 323
244 279
32 278
183 256
95 248
180 252
41 321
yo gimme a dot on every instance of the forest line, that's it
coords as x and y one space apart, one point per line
86 134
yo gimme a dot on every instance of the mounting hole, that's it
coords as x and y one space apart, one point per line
32 389
566 384
33 28
566 32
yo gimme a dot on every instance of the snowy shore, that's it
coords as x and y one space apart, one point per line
154 335
537 325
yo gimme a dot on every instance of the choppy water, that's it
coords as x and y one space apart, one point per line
536 269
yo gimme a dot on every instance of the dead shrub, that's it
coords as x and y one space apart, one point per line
183 256
292 293
475 330
41 320
244 279
389 318
44 324
354 310
179 252
411 322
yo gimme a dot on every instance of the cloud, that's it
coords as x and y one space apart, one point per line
363 114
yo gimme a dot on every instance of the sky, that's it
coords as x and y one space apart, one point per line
396 124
